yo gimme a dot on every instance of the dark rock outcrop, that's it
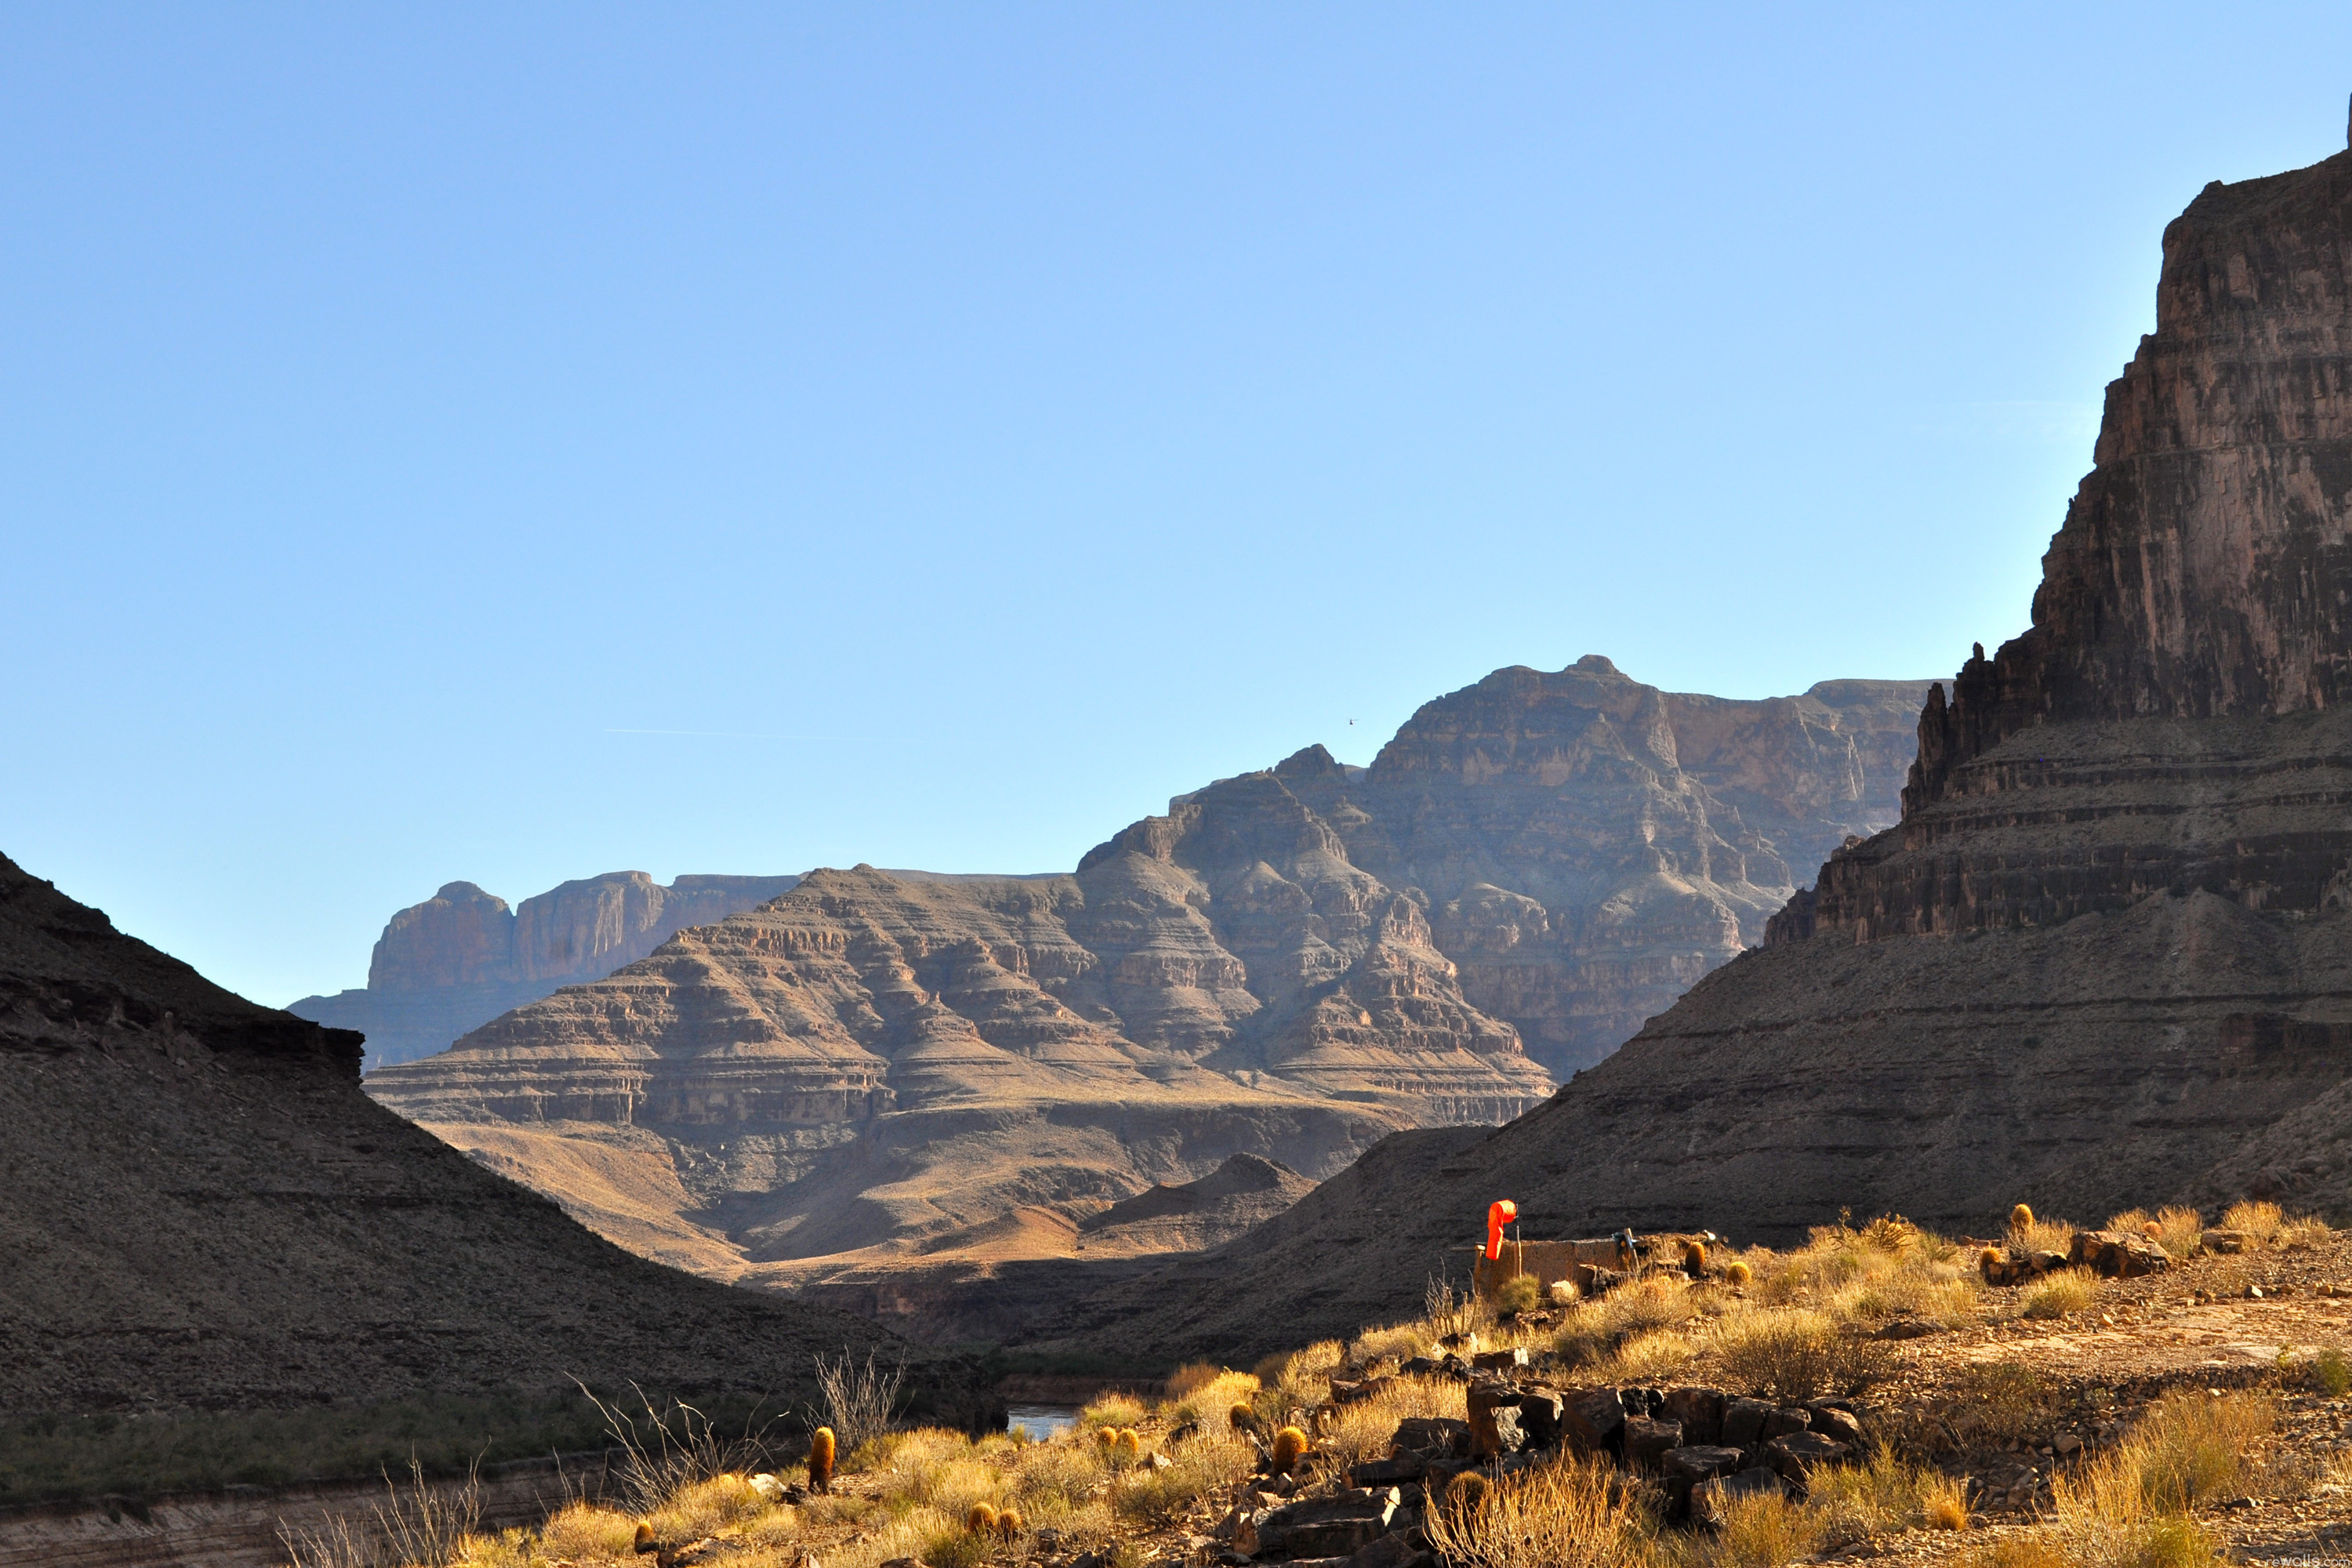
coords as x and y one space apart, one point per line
2107 946
205 1210
459 960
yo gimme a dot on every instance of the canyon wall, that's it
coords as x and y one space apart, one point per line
901 1090
2105 956
462 957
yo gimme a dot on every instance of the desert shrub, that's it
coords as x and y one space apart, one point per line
1448 1311
425 1524
1401 1343
1794 1353
860 1403
2062 1294
1113 1410
1361 1432
1210 1464
1595 1328
1563 1514
2001 1401
2260 1222
2179 1231
1208 1404
1519 1294
2331 1373
2028 1548
1935 1292
2044 1235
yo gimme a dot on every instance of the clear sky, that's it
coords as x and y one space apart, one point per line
512 443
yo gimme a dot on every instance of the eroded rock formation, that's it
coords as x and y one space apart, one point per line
462 957
2106 949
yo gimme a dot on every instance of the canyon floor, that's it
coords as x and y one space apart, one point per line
1947 1421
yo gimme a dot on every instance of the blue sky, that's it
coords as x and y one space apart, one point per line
514 442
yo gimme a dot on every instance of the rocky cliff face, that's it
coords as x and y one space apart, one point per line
2203 573
1590 846
2105 958
204 1209
462 957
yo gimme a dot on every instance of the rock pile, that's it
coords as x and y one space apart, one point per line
1703 1445
2110 1253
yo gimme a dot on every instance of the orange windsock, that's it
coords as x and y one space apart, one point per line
1500 1212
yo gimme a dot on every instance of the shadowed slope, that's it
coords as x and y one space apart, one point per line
204 1209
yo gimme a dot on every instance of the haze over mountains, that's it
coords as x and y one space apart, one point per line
885 1086
2105 959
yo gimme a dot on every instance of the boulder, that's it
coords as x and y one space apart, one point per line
1786 1419
1592 1419
1686 1467
1836 1422
1403 1469
1319 1527
2225 1243
1743 1422
1800 1454
1647 1442
1396 1550
1436 1439
1500 1361
1541 1412
2118 1256
1698 1411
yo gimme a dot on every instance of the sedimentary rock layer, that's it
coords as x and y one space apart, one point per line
2105 958
204 1209
461 958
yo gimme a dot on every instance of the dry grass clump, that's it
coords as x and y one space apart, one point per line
1214 1461
1884 1495
1651 1357
2002 1401
2062 1294
1113 1410
1595 1328
1794 1353
1519 1294
2130 1509
1208 1404
1360 1432
2038 1234
2179 1231
1764 1531
1887 1268
1193 1376
2259 1222
1401 1343
1563 1514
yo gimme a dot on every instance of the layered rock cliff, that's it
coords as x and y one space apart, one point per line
890 1087
2105 957
205 1210
462 957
